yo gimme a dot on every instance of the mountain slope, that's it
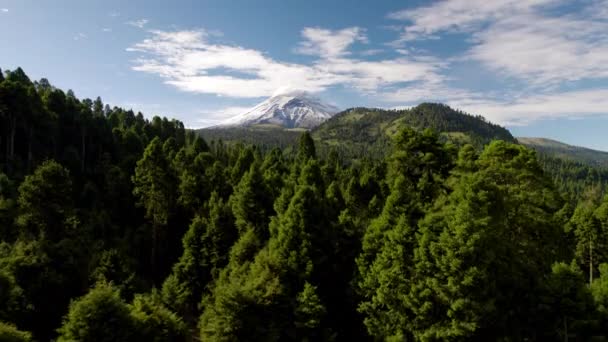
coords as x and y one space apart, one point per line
561 150
369 131
296 109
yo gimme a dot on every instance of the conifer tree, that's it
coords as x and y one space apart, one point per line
45 201
469 272
263 289
306 147
206 245
154 187
100 315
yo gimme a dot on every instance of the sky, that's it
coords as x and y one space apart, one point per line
538 67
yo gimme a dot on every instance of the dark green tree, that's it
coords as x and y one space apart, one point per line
306 147
206 246
9 333
568 303
100 315
154 189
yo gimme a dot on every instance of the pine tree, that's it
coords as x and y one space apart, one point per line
154 322
568 302
469 268
418 168
306 147
261 291
206 246
154 186
45 201
100 315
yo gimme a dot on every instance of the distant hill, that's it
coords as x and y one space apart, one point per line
558 149
367 131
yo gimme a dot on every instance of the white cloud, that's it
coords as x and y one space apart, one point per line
371 52
106 29
459 15
512 38
114 14
524 110
4 10
520 38
139 23
188 61
80 36
329 44
426 92
545 51
226 115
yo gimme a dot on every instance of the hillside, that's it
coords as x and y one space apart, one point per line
369 129
568 152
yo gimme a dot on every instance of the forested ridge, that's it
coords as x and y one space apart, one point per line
560 150
114 227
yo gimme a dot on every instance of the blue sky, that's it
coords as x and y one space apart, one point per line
540 67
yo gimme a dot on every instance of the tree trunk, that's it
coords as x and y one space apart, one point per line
8 145
83 149
154 250
590 262
12 137
29 149
565 329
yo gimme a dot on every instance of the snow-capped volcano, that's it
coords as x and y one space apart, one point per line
294 109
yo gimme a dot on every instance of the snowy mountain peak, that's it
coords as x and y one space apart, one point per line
290 109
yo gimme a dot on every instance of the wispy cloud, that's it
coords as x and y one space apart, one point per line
524 110
523 40
545 51
188 61
106 29
139 23
371 52
226 115
459 15
329 44
80 36
4 10
114 14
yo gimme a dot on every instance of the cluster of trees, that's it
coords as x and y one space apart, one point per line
116 228
575 180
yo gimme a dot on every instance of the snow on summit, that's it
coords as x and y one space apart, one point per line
287 108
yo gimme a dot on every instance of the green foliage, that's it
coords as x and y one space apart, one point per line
599 290
153 183
101 315
308 313
567 300
306 147
45 199
9 333
378 225
206 246
154 322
